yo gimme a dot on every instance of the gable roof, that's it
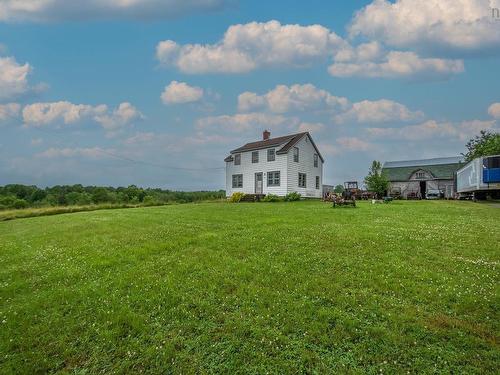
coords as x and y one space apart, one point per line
266 143
418 163
288 140
440 168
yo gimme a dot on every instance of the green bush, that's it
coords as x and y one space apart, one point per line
8 201
293 196
84 199
20 203
100 195
236 197
72 198
271 198
149 200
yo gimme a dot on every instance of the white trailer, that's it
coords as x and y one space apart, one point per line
480 177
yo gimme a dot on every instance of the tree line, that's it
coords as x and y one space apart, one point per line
24 196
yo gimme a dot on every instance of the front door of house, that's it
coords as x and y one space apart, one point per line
258 183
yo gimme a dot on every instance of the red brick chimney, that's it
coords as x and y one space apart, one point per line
266 134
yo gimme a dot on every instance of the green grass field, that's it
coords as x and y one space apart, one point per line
253 288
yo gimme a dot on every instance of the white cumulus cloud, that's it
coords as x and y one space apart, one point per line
13 78
494 110
40 114
297 97
308 98
395 64
432 129
122 116
180 93
66 113
439 26
382 110
246 47
63 10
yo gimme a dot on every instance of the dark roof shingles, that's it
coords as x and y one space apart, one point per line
265 143
289 140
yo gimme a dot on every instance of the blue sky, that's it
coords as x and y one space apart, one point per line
155 93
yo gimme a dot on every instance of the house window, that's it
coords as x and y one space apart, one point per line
420 175
315 160
317 182
237 159
296 154
302 180
237 181
273 178
270 154
255 157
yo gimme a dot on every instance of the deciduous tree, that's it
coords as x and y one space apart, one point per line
339 189
484 144
376 180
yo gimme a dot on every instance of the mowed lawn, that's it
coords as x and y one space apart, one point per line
253 288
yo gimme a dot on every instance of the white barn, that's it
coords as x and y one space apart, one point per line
280 165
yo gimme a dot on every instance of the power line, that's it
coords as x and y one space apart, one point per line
125 158
156 165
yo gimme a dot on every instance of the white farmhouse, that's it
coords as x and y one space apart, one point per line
280 165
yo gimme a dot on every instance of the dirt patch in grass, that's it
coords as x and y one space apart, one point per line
449 323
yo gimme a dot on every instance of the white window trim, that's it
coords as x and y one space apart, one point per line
273 184
234 181
420 175
273 153
237 156
305 180
257 159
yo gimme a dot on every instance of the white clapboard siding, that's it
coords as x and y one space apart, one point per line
248 169
305 165
289 171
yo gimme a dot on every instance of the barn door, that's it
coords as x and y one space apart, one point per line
423 189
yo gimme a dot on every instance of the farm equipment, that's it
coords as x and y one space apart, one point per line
344 200
351 186
395 193
366 195
356 192
348 197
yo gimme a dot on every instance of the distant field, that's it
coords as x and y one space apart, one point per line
12 214
253 288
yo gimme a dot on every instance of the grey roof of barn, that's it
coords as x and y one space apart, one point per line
288 140
440 168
